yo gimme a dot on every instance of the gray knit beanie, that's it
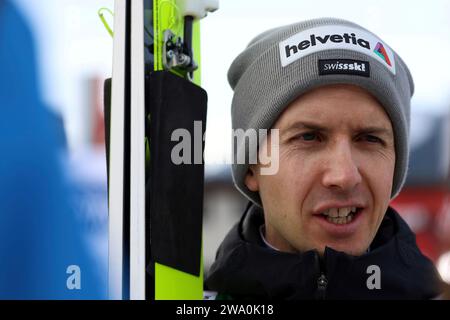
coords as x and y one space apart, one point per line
281 64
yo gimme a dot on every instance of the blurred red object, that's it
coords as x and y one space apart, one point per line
427 212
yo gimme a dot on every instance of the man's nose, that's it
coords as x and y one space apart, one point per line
341 171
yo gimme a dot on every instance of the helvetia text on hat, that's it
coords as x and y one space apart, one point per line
318 40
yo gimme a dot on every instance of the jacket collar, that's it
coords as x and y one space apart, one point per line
246 267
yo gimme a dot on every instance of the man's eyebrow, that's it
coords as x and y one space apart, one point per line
375 130
317 127
304 125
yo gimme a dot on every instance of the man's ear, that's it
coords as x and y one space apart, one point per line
251 179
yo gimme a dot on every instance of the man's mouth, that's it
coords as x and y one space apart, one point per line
341 215
340 220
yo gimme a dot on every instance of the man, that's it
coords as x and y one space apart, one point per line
337 99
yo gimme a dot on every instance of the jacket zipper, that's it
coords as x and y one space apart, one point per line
322 280
322 283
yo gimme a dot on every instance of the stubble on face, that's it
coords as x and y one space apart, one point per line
336 149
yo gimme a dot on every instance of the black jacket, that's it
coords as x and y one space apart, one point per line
245 268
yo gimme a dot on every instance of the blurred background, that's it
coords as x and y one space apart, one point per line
73 56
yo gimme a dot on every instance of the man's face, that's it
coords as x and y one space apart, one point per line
336 154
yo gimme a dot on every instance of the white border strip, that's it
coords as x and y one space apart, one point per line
137 163
116 154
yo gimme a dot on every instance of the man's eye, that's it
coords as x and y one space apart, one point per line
309 136
373 139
